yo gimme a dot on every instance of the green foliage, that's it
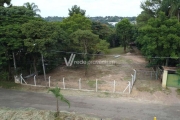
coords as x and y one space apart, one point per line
75 22
102 46
160 38
11 37
170 7
124 31
33 7
103 30
2 2
76 10
84 41
150 10
101 19
57 93
39 36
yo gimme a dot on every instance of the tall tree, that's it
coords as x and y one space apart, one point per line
40 37
75 22
2 2
11 37
160 38
103 30
86 42
76 10
33 7
124 31
171 7
150 10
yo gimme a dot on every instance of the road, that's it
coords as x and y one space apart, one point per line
114 108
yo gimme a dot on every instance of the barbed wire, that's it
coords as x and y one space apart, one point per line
114 55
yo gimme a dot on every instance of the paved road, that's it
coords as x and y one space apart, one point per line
116 108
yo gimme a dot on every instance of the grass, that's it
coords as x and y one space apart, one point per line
34 114
92 83
9 85
151 87
117 50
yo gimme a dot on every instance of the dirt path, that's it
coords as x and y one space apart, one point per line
116 109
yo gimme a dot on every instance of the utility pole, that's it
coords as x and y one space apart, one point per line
43 67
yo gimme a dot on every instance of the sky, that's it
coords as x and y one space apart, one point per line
124 8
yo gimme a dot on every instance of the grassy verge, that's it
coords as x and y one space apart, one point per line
92 83
9 85
34 114
117 50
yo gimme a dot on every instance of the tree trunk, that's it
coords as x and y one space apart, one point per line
85 57
34 65
167 61
57 107
14 60
113 43
125 48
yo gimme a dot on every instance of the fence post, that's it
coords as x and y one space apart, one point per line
49 81
114 86
134 74
80 84
129 87
132 80
35 80
21 78
64 84
96 85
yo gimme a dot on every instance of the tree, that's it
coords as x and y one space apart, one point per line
40 37
160 38
2 2
124 30
76 10
57 93
103 30
11 37
33 7
150 10
86 42
75 22
171 7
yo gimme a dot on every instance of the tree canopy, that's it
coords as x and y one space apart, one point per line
76 10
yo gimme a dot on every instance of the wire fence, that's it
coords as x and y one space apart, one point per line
114 86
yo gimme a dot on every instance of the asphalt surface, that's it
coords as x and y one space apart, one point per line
114 108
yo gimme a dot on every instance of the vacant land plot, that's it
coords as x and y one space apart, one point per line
120 72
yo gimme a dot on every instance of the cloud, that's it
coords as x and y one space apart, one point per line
92 7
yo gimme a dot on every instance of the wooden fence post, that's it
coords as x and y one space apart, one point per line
64 84
96 85
35 80
80 84
49 81
114 86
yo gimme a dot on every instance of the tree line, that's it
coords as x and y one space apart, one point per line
25 37
159 32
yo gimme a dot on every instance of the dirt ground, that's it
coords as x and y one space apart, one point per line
145 88
120 72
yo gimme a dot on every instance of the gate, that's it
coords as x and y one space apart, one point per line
173 80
